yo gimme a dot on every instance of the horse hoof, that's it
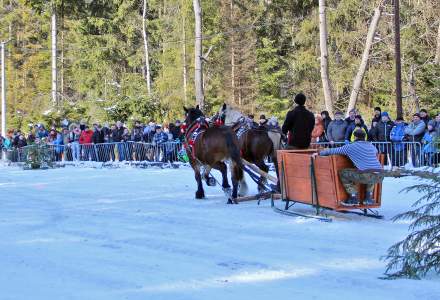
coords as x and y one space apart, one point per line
227 191
200 195
232 201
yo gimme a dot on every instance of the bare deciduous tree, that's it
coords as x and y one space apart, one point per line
364 61
326 84
198 60
437 52
54 55
147 55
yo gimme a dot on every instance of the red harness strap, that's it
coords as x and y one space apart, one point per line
190 139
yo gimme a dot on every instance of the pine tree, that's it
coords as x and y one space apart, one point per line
419 252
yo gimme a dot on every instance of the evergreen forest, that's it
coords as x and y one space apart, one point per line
135 59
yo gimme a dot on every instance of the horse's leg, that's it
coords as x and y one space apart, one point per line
200 193
221 166
276 140
275 163
210 180
262 180
238 182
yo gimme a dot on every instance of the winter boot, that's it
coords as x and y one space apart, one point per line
369 199
352 201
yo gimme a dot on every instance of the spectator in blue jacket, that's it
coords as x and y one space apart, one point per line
397 136
159 140
430 150
42 132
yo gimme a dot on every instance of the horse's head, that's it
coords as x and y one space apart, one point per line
192 114
229 115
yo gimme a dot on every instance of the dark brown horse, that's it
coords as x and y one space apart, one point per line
255 143
210 147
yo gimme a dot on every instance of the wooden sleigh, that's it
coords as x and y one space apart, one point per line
315 181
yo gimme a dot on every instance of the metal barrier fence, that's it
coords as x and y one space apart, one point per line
399 154
126 151
396 154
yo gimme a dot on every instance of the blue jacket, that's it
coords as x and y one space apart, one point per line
415 131
42 134
59 143
160 138
397 136
429 142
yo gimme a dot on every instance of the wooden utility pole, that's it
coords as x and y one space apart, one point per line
364 61
147 55
326 84
54 56
185 64
198 59
399 108
231 16
3 83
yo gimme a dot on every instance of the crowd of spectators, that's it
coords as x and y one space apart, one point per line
395 139
82 142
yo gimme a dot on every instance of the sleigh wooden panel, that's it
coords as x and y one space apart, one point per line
328 192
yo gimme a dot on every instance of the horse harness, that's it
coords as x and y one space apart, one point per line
242 126
194 131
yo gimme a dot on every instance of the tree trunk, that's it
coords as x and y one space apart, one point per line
147 55
412 88
437 52
3 86
185 65
54 57
399 106
232 54
364 61
198 76
326 84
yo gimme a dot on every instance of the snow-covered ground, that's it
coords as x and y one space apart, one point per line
79 233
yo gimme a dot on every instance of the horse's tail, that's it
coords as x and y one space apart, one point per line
234 152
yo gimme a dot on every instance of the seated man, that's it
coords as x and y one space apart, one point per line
368 168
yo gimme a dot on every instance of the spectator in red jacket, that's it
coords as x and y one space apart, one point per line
86 136
85 140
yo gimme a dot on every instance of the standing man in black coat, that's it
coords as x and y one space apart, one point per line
299 124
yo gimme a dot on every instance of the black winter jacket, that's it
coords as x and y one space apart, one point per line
382 131
117 135
137 134
299 123
98 137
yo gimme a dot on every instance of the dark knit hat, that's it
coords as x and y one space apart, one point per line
359 134
377 108
300 99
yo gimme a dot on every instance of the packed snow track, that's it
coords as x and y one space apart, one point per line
83 233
